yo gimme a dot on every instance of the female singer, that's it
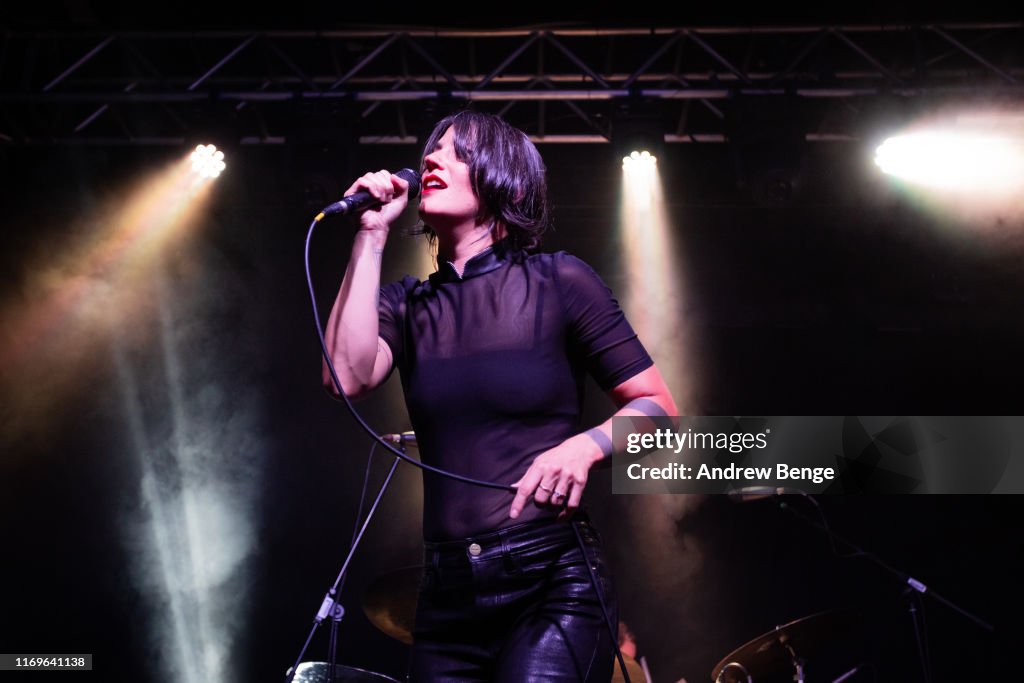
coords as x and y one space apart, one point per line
492 351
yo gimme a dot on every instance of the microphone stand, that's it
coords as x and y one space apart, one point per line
330 607
914 588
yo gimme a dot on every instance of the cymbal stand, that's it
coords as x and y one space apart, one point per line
914 588
330 607
798 662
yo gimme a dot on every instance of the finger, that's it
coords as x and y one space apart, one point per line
545 491
383 188
559 493
368 182
575 495
400 184
525 487
377 183
567 511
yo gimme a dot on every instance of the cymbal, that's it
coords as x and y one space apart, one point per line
316 672
769 653
636 672
390 602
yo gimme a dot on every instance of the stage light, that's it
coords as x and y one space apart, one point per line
641 187
653 296
965 165
639 158
955 160
207 161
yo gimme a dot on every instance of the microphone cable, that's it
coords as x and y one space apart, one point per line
348 402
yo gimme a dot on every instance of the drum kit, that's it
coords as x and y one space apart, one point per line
390 605
783 652
319 672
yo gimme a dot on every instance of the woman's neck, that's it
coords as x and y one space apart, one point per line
460 246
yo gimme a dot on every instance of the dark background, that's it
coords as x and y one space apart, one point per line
854 299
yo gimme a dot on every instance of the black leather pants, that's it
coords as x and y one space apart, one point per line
516 604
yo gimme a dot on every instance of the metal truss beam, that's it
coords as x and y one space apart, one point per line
272 87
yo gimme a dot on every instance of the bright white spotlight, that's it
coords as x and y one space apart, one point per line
638 158
207 161
954 159
654 293
641 173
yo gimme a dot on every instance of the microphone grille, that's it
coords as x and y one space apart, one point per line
413 178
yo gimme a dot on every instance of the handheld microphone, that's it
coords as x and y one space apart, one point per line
362 200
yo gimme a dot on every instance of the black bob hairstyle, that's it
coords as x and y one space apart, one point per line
507 173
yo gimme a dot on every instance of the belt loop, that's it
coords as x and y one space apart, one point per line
503 535
507 556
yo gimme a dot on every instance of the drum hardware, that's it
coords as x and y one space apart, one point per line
783 647
319 672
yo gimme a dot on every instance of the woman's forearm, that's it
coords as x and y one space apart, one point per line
352 333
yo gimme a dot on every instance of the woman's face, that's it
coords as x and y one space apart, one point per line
447 197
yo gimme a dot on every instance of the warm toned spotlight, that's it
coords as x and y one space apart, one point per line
207 161
639 158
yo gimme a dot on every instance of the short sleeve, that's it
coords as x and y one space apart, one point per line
391 311
598 329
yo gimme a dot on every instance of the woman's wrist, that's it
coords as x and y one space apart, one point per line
371 237
597 445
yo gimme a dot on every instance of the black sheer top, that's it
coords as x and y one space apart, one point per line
492 365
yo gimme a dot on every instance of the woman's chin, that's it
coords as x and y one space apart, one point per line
429 217
438 222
